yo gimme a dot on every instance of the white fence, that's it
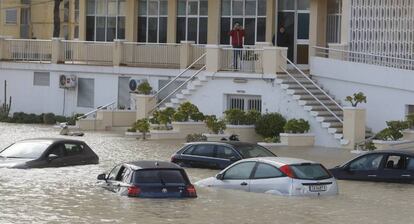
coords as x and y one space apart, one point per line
196 51
151 55
27 50
87 52
242 60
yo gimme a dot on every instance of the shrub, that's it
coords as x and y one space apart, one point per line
163 116
296 126
356 99
144 88
234 116
196 138
270 125
252 116
131 129
72 120
61 119
216 126
275 139
393 131
198 116
188 111
49 118
143 126
179 117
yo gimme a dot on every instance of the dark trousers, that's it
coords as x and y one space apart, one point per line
237 53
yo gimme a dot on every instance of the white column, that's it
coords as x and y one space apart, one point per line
57 50
354 125
185 53
213 58
117 52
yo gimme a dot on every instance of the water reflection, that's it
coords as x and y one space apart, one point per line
71 195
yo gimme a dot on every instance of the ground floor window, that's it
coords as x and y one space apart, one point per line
192 21
152 21
244 102
41 79
86 92
251 14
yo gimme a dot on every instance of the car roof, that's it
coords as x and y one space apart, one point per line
408 151
52 140
278 161
151 164
228 143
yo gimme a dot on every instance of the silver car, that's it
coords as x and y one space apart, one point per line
275 175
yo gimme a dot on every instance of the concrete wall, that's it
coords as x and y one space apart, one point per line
388 90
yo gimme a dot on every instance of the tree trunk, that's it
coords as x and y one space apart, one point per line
56 19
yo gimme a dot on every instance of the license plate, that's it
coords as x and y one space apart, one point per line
317 188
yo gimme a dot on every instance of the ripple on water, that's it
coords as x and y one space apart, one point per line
71 194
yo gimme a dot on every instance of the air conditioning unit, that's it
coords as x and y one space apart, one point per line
134 83
67 81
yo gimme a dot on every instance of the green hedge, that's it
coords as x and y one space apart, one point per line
270 125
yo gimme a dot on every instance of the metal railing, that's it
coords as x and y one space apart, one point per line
104 107
87 52
196 51
241 60
27 50
151 54
366 58
309 92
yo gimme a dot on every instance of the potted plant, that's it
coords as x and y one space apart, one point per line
217 128
392 134
242 124
143 126
144 88
296 133
356 99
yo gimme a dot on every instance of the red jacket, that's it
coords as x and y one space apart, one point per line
237 38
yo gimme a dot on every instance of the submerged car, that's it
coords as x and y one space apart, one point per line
381 166
275 175
217 155
149 179
47 152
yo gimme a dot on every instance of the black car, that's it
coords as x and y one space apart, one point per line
217 155
149 179
47 152
383 166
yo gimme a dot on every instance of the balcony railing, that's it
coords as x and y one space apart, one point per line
26 50
242 60
151 55
121 53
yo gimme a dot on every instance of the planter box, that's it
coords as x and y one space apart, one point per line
402 144
297 139
270 144
408 135
216 137
134 134
164 134
186 128
246 133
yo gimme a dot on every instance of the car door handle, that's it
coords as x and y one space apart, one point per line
406 175
243 184
372 175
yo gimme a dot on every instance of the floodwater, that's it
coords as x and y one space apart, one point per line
71 195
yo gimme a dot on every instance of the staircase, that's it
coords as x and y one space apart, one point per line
315 100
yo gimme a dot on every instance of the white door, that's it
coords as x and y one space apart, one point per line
269 178
237 177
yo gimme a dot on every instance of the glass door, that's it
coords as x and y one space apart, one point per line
293 15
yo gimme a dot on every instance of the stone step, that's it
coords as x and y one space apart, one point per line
180 96
321 108
187 91
338 136
332 125
334 130
325 113
202 78
313 102
315 92
177 100
309 97
327 119
297 86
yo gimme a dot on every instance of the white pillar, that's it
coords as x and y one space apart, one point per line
144 105
336 51
57 50
354 125
117 52
186 54
213 58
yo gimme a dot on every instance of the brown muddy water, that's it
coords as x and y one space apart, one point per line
71 195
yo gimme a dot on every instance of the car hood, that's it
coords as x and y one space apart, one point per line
13 162
206 182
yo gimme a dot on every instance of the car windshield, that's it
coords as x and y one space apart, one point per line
159 176
250 151
310 172
31 150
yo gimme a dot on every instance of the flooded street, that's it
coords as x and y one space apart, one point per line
71 195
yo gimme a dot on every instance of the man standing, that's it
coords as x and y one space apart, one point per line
237 35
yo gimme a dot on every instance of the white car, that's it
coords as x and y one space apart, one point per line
275 175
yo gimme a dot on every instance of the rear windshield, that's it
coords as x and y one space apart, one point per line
159 176
250 151
30 150
310 172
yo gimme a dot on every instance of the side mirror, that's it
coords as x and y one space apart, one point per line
101 176
51 157
219 176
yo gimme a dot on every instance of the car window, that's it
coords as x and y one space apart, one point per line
126 175
367 162
189 150
225 152
203 150
25 149
251 151
410 163
57 150
73 149
159 176
310 172
396 162
266 171
239 171
114 172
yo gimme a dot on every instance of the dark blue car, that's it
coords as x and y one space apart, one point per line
217 155
382 166
149 179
